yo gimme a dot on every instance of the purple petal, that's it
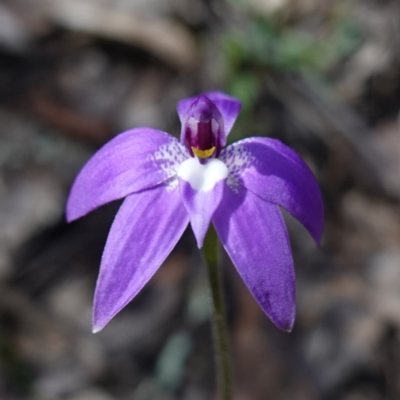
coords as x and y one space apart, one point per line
134 160
144 232
228 106
201 207
202 187
254 235
277 174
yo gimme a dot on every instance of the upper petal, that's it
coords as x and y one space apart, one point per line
277 174
202 187
203 127
134 160
228 106
254 235
144 232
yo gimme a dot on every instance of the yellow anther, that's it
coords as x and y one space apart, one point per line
203 153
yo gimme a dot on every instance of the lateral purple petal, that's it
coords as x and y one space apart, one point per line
277 174
228 106
144 232
134 160
254 235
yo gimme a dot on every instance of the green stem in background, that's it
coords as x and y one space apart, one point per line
220 331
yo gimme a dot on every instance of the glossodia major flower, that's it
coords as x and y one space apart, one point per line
169 183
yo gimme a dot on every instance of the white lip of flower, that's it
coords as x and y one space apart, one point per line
202 177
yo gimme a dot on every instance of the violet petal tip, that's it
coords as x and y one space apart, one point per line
96 329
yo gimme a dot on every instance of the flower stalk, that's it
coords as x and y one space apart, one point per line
219 323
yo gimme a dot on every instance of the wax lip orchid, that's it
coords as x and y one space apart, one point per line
169 183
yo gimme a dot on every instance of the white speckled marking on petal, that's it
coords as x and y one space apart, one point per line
237 159
168 158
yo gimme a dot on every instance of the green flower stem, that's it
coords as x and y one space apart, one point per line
220 331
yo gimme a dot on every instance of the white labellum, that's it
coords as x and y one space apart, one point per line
202 177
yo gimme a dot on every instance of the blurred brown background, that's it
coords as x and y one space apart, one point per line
320 75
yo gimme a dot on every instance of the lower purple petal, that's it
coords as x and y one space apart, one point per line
144 232
201 206
254 235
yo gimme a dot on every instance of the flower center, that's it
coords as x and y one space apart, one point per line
202 129
202 177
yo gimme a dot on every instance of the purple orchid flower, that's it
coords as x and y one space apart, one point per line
168 183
